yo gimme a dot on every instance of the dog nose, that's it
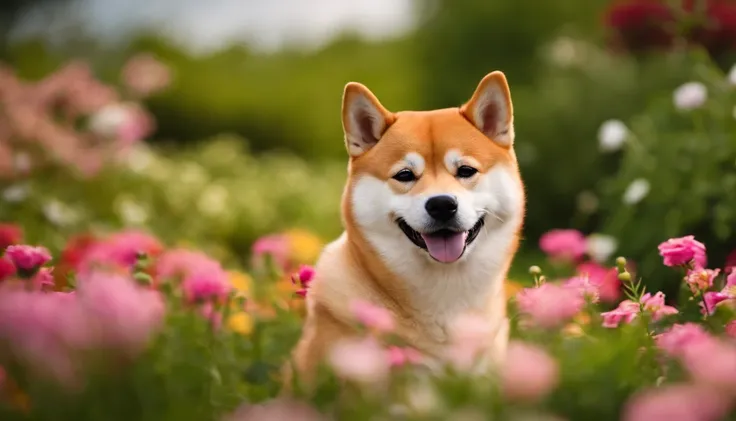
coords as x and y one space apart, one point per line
442 207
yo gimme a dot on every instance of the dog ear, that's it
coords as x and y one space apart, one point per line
364 119
490 109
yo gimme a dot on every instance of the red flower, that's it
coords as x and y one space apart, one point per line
646 24
642 24
7 268
10 234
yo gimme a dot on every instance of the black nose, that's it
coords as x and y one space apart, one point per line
442 207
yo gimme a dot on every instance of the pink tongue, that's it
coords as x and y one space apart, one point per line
446 249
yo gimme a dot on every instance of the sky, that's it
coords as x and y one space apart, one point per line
203 26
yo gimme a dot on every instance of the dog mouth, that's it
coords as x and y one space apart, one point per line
444 245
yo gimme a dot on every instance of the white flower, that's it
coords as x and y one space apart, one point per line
732 75
600 246
59 213
107 121
130 211
612 135
213 200
690 95
637 190
16 193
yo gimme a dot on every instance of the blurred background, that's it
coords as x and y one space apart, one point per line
215 123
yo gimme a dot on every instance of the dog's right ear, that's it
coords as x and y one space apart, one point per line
364 119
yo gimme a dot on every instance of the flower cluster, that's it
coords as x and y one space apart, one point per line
569 246
654 24
78 121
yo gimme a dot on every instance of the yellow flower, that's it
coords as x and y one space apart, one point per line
305 246
512 288
241 281
241 322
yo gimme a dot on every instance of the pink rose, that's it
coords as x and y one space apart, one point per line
655 305
550 305
712 362
626 312
604 279
700 279
682 251
528 373
563 244
361 360
398 356
28 257
373 317
710 300
681 402
677 339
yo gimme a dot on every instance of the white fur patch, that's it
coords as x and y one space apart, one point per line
442 291
413 161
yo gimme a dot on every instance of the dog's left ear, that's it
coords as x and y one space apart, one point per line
490 109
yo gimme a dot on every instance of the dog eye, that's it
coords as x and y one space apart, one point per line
466 171
404 176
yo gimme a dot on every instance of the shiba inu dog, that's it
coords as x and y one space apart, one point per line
432 208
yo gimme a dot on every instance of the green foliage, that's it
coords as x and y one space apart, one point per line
689 161
216 195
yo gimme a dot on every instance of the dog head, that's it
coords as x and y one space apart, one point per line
433 186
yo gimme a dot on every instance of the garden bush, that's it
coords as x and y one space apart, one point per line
676 166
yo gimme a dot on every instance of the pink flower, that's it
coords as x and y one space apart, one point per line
28 257
123 316
361 360
584 286
398 356
626 312
210 312
204 286
10 234
278 409
711 300
682 251
550 305
730 263
679 402
731 279
119 251
373 317
43 279
528 373
303 278
679 337
700 280
180 263
604 279
43 332
712 363
563 244
276 246
655 305
470 334
7 268
144 74
731 329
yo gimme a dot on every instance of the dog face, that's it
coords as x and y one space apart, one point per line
433 186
